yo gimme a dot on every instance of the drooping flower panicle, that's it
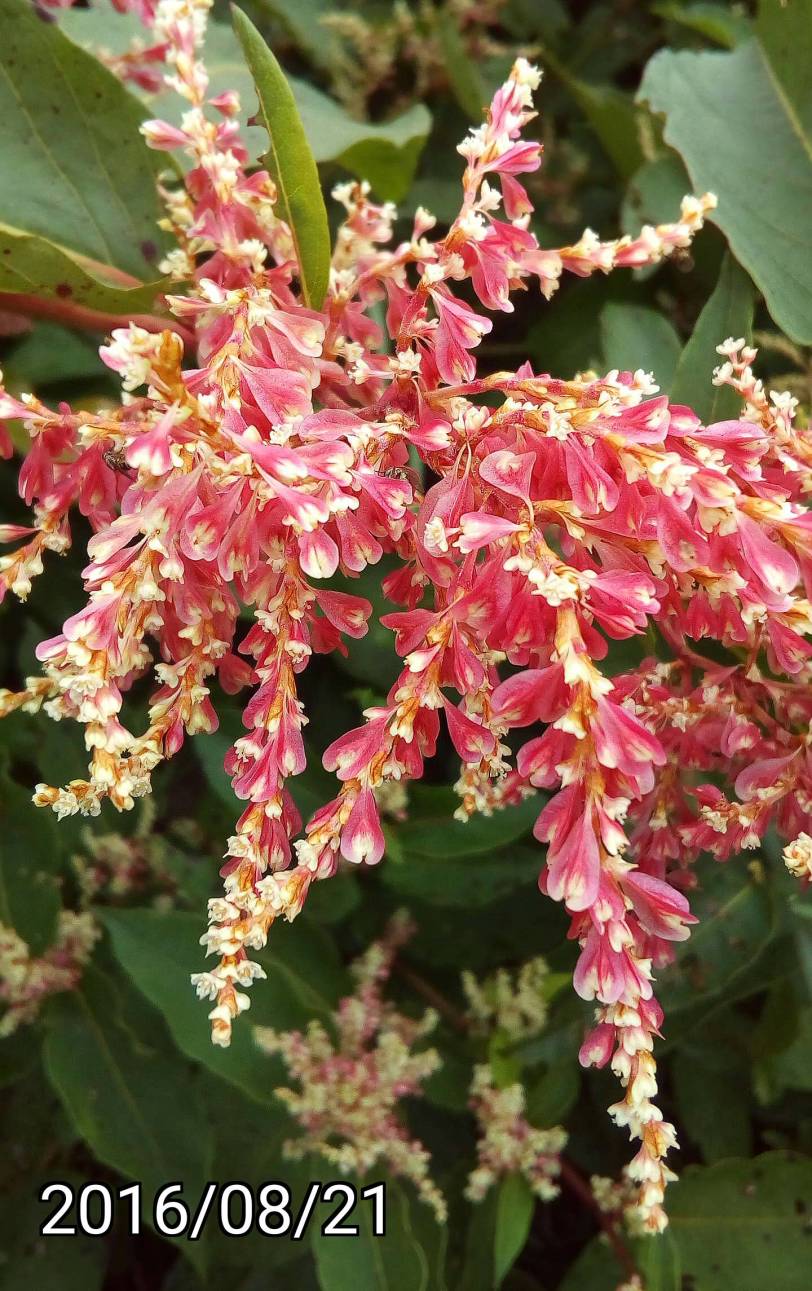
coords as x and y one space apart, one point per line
562 515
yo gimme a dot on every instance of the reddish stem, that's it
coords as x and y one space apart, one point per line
432 996
91 320
572 1178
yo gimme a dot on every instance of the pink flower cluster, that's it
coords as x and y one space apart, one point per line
350 1084
544 522
27 981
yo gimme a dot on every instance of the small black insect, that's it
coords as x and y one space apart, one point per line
405 473
115 459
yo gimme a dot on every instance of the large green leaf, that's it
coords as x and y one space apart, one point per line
515 1205
710 1075
32 266
477 1268
71 1263
303 23
658 1259
464 881
432 831
462 71
792 1068
724 958
653 196
742 1224
290 163
724 25
729 312
83 178
595 1269
134 1106
742 122
29 861
551 1096
368 1262
785 30
159 951
51 354
255 1159
635 336
384 153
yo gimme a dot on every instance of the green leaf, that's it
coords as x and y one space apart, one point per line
449 1086
71 1263
785 32
724 958
460 69
724 25
658 1260
802 929
712 1087
654 195
792 1068
595 1269
290 163
566 339
255 1159
83 178
432 831
742 1224
29 862
729 312
33 266
302 23
433 1238
334 901
385 153
159 951
133 1106
478 1265
613 116
309 790
52 354
726 114
635 336
368 1262
463 881
551 1097
514 1214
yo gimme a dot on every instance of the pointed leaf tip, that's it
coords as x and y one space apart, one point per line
290 162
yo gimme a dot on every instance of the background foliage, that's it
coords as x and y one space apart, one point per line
117 1080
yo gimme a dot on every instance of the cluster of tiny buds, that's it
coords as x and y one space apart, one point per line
27 980
113 867
514 1004
352 1075
508 1143
618 1200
